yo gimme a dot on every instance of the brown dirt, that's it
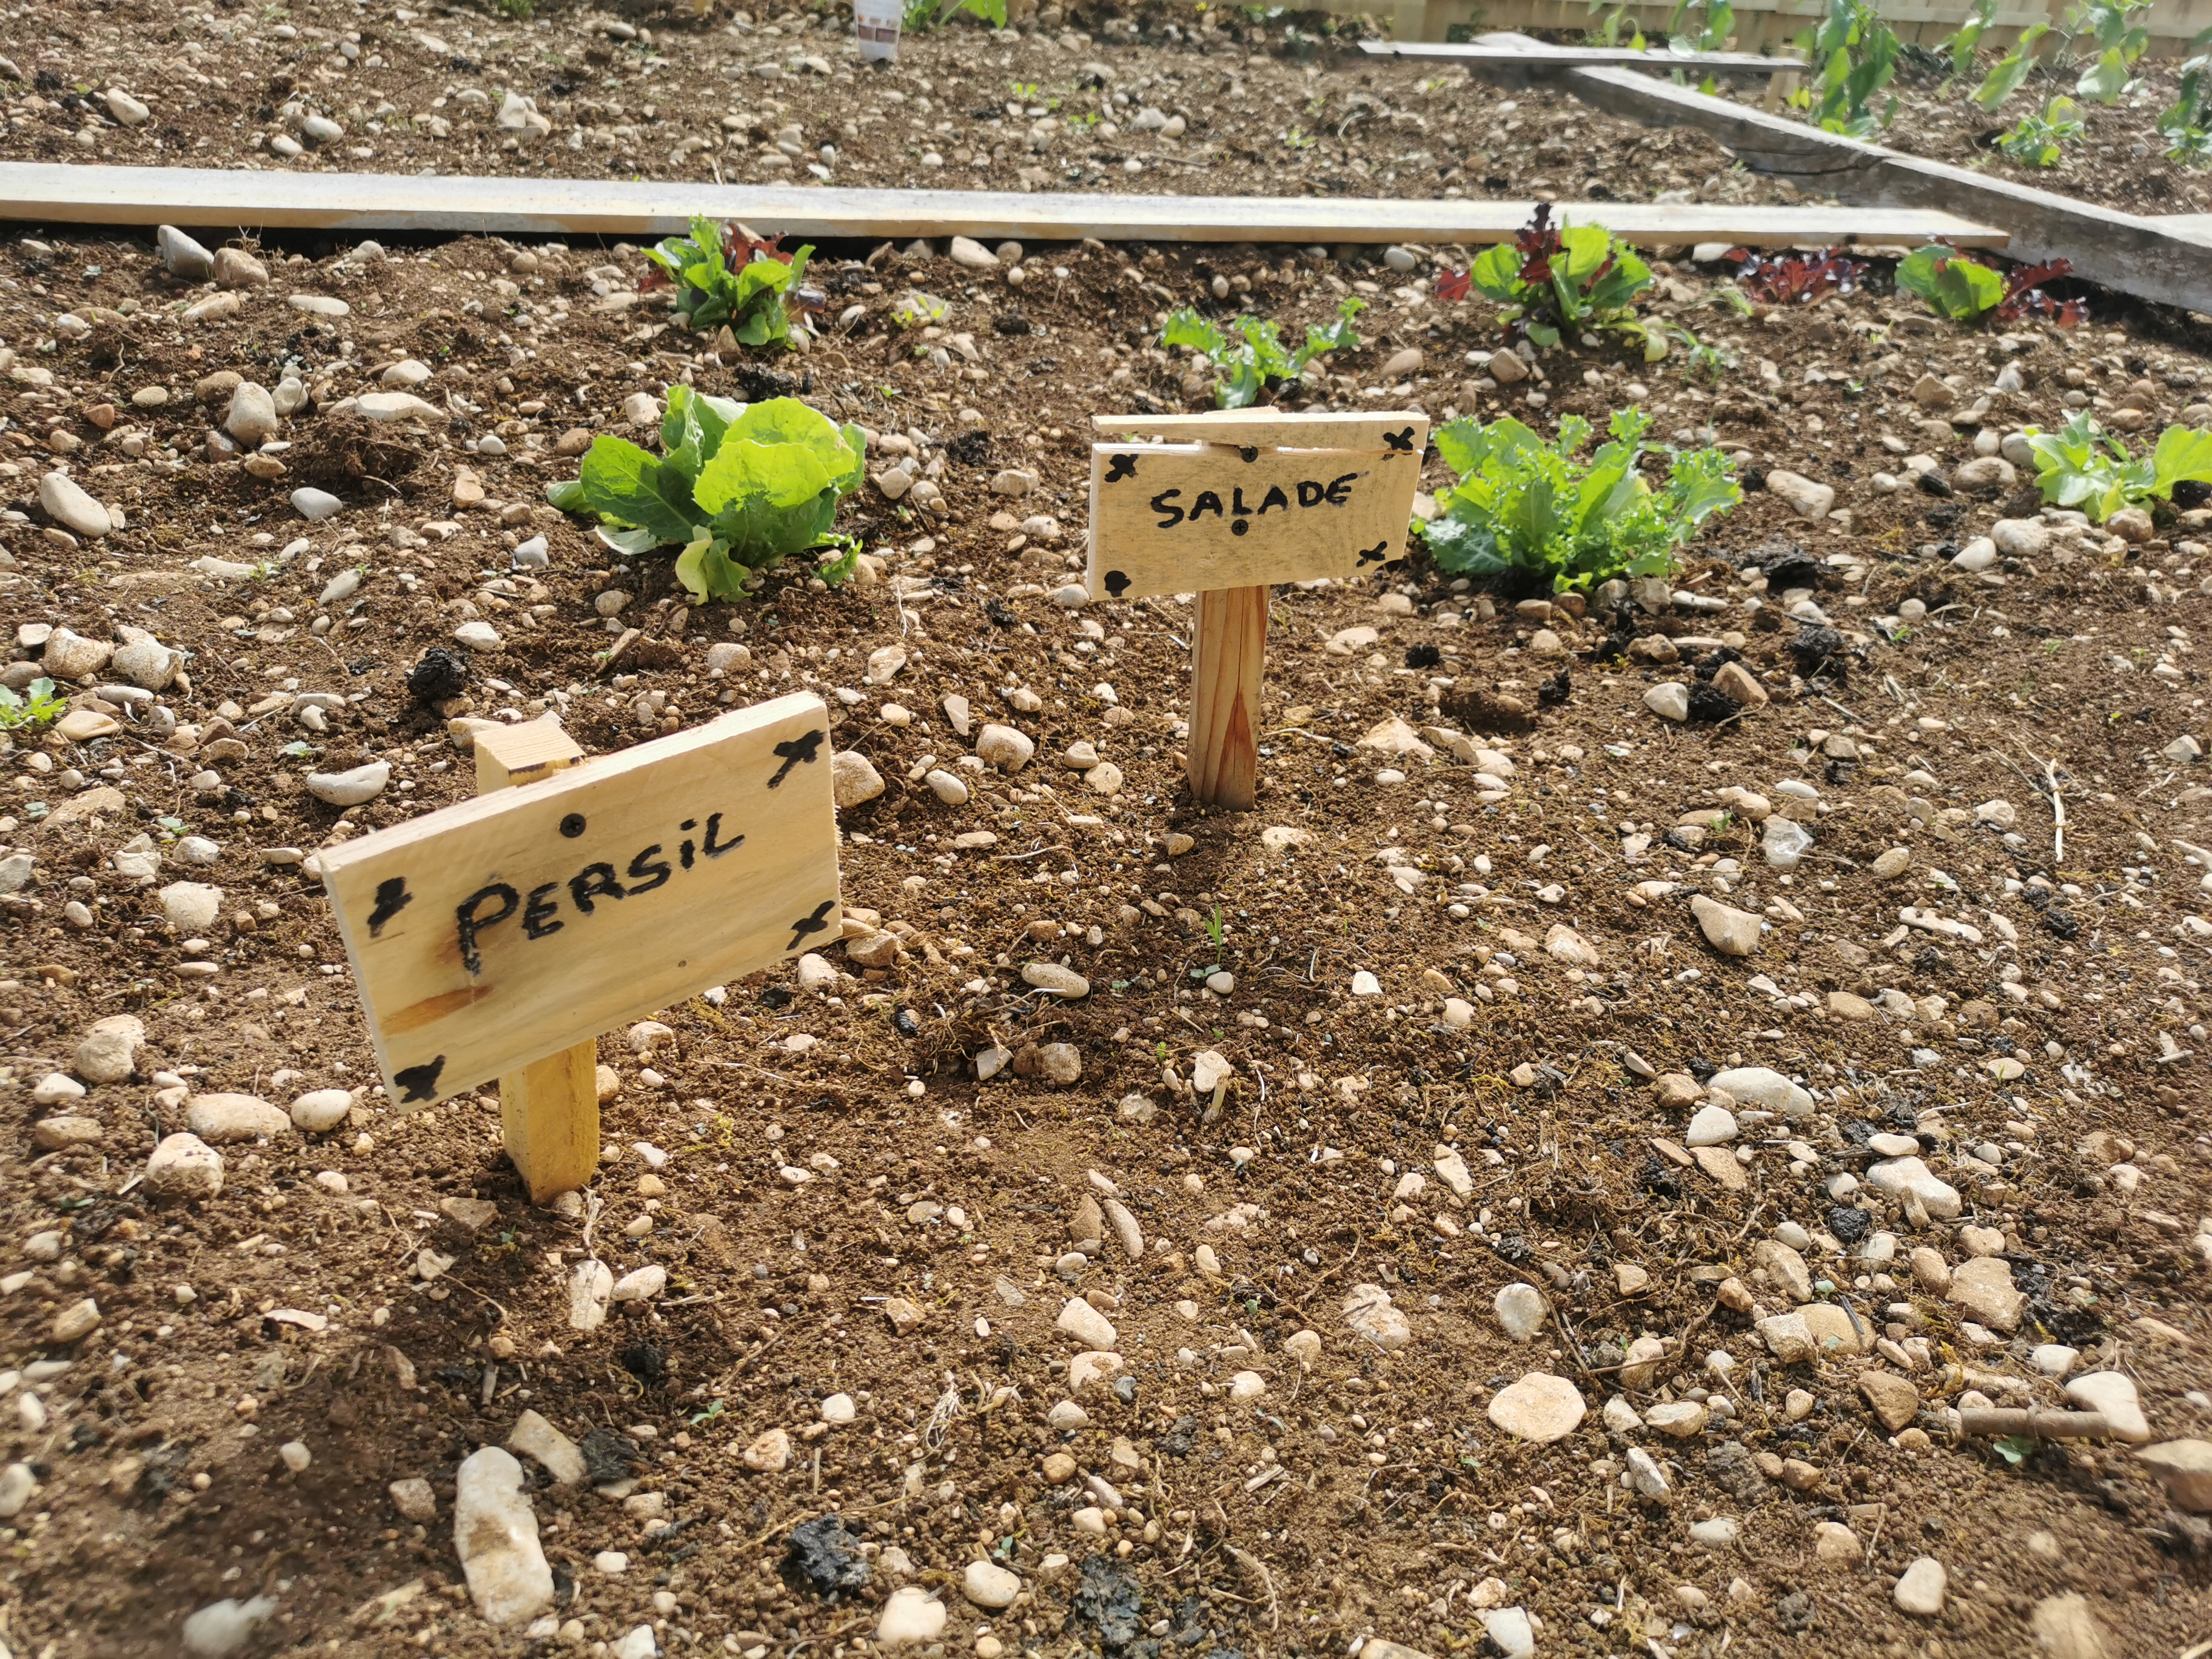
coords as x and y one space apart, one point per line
161 1486
682 101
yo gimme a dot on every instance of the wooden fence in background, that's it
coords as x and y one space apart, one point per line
1760 25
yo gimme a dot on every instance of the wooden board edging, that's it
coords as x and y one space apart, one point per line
2168 262
53 193
1537 55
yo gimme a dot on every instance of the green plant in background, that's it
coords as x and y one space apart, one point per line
1523 504
723 277
738 488
1552 280
38 704
1965 290
1248 356
2115 38
1710 36
2040 141
922 15
2011 71
2082 466
2186 126
1856 53
1959 47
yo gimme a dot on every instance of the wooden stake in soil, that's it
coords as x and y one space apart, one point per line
549 1111
494 937
1254 497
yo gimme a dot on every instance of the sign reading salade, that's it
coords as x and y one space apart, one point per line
493 933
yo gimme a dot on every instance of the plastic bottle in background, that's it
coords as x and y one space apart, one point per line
876 25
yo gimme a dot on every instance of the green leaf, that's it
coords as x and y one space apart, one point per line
744 473
566 496
624 484
2104 81
2012 70
2183 454
1495 272
705 569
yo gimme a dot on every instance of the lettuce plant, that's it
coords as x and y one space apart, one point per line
737 489
2040 141
1249 356
722 275
2082 466
41 706
1966 290
1523 504
1553 280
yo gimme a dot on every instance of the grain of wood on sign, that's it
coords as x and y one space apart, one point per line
493 933
1192 518
1282 429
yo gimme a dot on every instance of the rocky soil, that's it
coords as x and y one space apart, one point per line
1216 104
1557 1175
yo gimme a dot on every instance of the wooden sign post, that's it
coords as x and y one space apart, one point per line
1231 504
497 937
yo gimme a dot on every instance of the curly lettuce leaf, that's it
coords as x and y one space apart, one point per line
620 482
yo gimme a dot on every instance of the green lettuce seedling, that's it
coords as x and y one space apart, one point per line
1523 504
1554 279
724 276
1248 356
38 705
2082 466
737 489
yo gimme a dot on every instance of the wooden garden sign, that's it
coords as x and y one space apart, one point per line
499 937
1231 504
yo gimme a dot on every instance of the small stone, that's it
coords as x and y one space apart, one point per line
108 1051
535 1437
315 505
225 1627
1087 1325
1539 1408
1718 1534
1054 980
1909 1177
1645 1475
852 780
1893 1399
185 1166
964 250
1679 1418
590 1286
1890 864
911 1615
223 1118
2186 1467
181 257
1669 701
1920 1592
1713 1126
1004 747
235 268
495 1534
147 664
251 417
1370 1317
66 1132
2112 1394
414 1499
56 1088
1802 494
321 1109
79 1319
352 787
1510 1632
1834 1542
66 502
769 1454
989 1586
2065 1627
1787 1338
1731 932
1740 685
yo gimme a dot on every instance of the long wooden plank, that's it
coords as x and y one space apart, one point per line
2173 24
489 935
1542 56
2166 261
42 192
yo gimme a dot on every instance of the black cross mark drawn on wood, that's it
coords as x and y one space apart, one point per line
1123 467
1117 582
392 897
1373 555
420 1082
1402 442
798 749
816 923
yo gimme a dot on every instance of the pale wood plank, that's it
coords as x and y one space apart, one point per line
1541 55
549 1110
2128 253
55 193
1229 650
1195 518
489 935
1282 428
